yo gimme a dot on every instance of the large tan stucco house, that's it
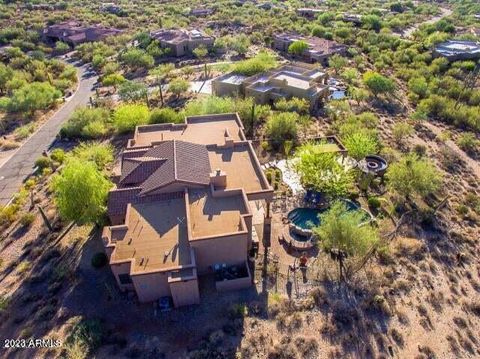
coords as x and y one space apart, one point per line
319 50
182 207
293 80
73 33
181 41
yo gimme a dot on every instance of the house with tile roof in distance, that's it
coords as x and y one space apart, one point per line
292 80
180 41
319 50
183 206
73 33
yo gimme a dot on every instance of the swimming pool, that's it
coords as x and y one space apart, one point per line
307 218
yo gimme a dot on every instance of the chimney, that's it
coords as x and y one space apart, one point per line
228 139
218 178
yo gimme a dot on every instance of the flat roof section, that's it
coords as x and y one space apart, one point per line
213 216
233 79
201 132
293 81
156 237
238 164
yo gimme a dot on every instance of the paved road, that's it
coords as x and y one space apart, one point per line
20 165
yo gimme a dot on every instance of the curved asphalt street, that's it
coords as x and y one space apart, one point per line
20 165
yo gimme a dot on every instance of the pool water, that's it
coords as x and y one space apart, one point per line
307 218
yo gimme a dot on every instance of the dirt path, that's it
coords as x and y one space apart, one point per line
474 165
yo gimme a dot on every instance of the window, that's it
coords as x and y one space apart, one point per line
124 278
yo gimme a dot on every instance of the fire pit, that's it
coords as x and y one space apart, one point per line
374 165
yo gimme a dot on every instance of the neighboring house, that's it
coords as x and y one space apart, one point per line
183 207
112 8
309 12
73 33
455 50
353 18
202 12
319 50
296 80
182 42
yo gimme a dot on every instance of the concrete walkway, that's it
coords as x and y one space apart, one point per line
14 171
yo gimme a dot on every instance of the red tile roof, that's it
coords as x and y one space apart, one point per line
166 163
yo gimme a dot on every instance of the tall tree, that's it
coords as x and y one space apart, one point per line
344 234
80 192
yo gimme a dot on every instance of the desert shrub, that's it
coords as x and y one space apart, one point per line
420 150
58 155
99 260
238 310
4 301
98 153
322 171
87 334
307 347
413 175
27 219
8 214
294 104
468 142
80 191
127 117
360 144
374 203
24 266
166 115
402 130
474 307
397 337
410 247
43 162
260 63
24 131
281 127
88 123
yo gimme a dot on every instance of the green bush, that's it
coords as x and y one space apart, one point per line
88 123
260 63
127 117
43 162
374 203
298 105
27 219
58 155
87 334
8 214
282 126
166 115
99 260
99 153
468 142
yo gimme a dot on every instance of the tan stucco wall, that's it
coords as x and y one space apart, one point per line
151 286
122 268
185 292
220 88
230 250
